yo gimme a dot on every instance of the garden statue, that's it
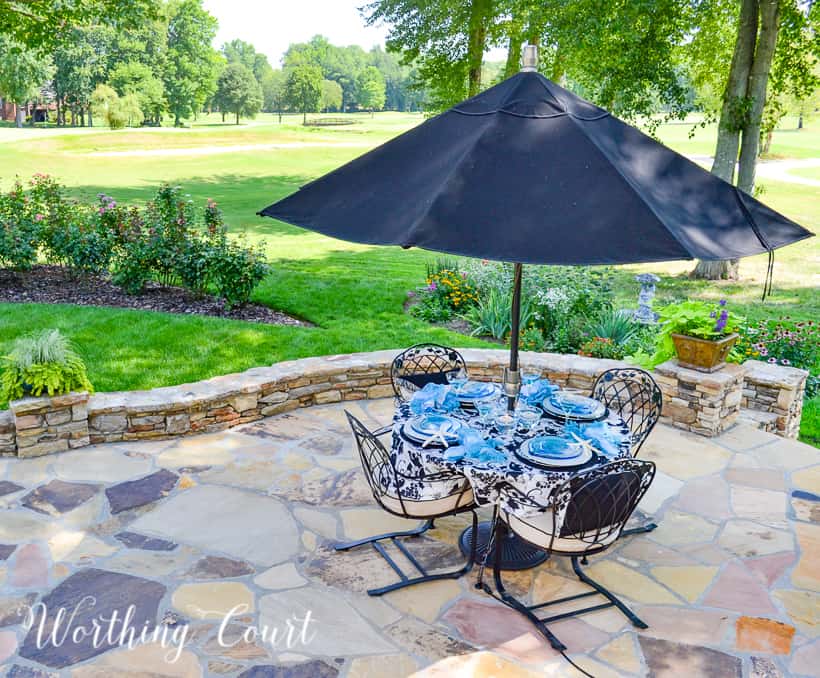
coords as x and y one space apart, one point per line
645 314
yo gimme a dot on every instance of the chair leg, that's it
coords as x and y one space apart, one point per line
639 530
516 604
390 535
404 579
633 618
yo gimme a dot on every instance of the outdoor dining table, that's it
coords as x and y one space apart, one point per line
509 482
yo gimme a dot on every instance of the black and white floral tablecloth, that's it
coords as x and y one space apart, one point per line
516 486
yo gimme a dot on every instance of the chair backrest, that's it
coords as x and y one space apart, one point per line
635 396
423 364
599 501
376 463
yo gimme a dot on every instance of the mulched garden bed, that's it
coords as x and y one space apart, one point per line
55 285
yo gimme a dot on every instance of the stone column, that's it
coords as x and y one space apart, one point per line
46 425
704 403
778 390
8 435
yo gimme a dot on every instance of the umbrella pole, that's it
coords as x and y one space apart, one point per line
512 379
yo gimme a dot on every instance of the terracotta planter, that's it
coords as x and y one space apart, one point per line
704 355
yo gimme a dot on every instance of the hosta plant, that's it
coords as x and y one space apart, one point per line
42 364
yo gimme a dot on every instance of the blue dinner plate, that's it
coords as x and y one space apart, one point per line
574 406
475 390
427 425
553 447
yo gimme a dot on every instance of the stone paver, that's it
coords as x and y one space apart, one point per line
244 522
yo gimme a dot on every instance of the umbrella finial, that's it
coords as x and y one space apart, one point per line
529 62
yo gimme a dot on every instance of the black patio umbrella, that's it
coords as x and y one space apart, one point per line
528 172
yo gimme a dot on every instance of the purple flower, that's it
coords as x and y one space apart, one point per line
721 322
773 360
713 314
785 361
432 286
722 302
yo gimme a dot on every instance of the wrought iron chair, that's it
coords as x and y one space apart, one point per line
635 396
638 400
596 504
394 493
423 364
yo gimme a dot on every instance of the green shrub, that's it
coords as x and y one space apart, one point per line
237 270
492 316
42 363
612 324
21 227
560 299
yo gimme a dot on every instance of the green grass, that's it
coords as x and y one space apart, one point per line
807 172
353 293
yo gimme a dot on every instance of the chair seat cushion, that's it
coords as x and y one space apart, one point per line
421 497
537 529
427 508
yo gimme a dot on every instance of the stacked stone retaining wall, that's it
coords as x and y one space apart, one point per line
703 403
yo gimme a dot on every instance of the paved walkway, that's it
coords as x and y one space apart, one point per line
224 539
776 170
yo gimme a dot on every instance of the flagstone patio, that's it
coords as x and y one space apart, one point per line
186 530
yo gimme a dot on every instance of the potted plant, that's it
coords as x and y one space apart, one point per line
42 364
700 334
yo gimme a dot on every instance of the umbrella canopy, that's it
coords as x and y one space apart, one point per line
529 172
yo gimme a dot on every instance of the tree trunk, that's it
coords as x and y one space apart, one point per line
758 82
304 116
223 116
90 119
513 64
237 117
800 120
731 122
59 110
736 92
476 43
767 144
19 116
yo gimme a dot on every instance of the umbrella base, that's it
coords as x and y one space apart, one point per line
516 554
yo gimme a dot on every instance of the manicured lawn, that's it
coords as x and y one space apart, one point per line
354 294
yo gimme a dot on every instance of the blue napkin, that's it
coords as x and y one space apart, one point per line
535 392
607 439
434 398
476 448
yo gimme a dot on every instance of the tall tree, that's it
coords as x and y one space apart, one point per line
239 51
22 73
446 39
191 63
331 95
81 64
237 91
371 89
303 89
757 53
273 92
138 79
